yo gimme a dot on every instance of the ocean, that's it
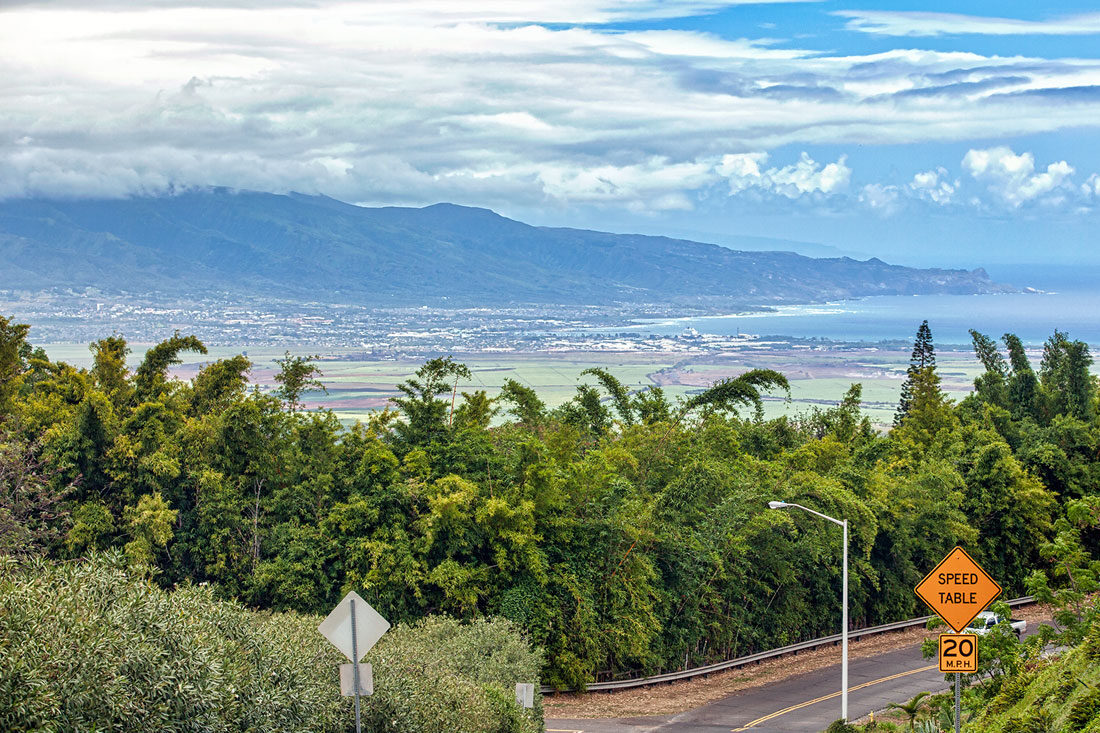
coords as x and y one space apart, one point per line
1031 316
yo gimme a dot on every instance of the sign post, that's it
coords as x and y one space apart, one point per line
957 590
354 627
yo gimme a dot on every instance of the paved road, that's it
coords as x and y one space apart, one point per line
805 703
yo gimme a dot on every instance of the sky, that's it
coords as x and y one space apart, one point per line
928 133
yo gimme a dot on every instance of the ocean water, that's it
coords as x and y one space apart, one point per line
1031 316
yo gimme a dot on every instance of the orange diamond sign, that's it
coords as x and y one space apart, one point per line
958 589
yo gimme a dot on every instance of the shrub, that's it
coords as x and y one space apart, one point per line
89 646
440 675
1084 711
1012 691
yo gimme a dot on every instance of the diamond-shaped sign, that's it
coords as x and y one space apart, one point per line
958 589
369 626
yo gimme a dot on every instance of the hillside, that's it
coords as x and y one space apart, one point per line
317 248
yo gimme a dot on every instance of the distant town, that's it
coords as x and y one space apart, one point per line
372 333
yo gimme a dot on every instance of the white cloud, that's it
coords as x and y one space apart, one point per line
934 186
486 103
657 181
743 170
918 23
880 197
1012 178
1091 187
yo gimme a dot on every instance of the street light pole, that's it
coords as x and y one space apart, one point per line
843 601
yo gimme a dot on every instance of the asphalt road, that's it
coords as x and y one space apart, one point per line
807 702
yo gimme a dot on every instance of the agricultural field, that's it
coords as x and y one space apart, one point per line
819 375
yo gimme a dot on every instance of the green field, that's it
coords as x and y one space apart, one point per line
818 376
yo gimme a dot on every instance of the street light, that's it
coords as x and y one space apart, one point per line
844 602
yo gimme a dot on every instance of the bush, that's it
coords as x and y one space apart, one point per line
89 646
440 675
1011 692
1084 711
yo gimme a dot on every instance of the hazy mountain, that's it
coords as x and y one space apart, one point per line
319 249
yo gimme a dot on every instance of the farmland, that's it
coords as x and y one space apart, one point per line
819 375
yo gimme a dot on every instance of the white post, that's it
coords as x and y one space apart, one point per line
843 601
844 635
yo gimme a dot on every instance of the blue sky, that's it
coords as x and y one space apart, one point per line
961 134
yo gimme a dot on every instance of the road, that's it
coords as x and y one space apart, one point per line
807 702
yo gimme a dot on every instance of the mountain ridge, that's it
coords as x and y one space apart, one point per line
316 247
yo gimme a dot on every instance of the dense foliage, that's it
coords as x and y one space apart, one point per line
90 645
625 532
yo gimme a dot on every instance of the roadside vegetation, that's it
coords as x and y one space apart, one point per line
623 532
94 645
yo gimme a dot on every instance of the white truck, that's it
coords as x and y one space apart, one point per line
986 620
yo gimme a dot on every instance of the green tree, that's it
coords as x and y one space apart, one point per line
149 525
739 391
912 709
991 385
426 416
1023 385
923 357
297 375
221 383
110 374
525 403
1074 575
151 377
13 349
1067 386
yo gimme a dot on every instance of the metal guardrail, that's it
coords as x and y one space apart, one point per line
853 635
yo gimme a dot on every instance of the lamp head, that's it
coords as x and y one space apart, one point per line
777 504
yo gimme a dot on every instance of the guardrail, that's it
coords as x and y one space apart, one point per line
853 635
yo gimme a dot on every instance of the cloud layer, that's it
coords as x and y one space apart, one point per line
511 104
917 23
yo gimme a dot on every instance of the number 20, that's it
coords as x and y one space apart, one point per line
965 648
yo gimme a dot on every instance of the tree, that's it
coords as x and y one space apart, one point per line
586 412
526 405
31 509
476 411
220 383
923 357
424 413
149 525
1067 386
13 346
1073 575
620 395
297 374
738 391
110 374
152 375
1023 387
912 708
990 386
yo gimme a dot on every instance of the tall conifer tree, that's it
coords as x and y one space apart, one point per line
923 357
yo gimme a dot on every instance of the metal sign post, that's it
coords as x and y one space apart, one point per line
958 702
958 589
355 666
354 627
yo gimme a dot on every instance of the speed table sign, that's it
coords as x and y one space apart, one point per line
958 589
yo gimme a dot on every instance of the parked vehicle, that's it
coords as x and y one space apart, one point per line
986 620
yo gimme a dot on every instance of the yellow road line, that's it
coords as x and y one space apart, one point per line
800 705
